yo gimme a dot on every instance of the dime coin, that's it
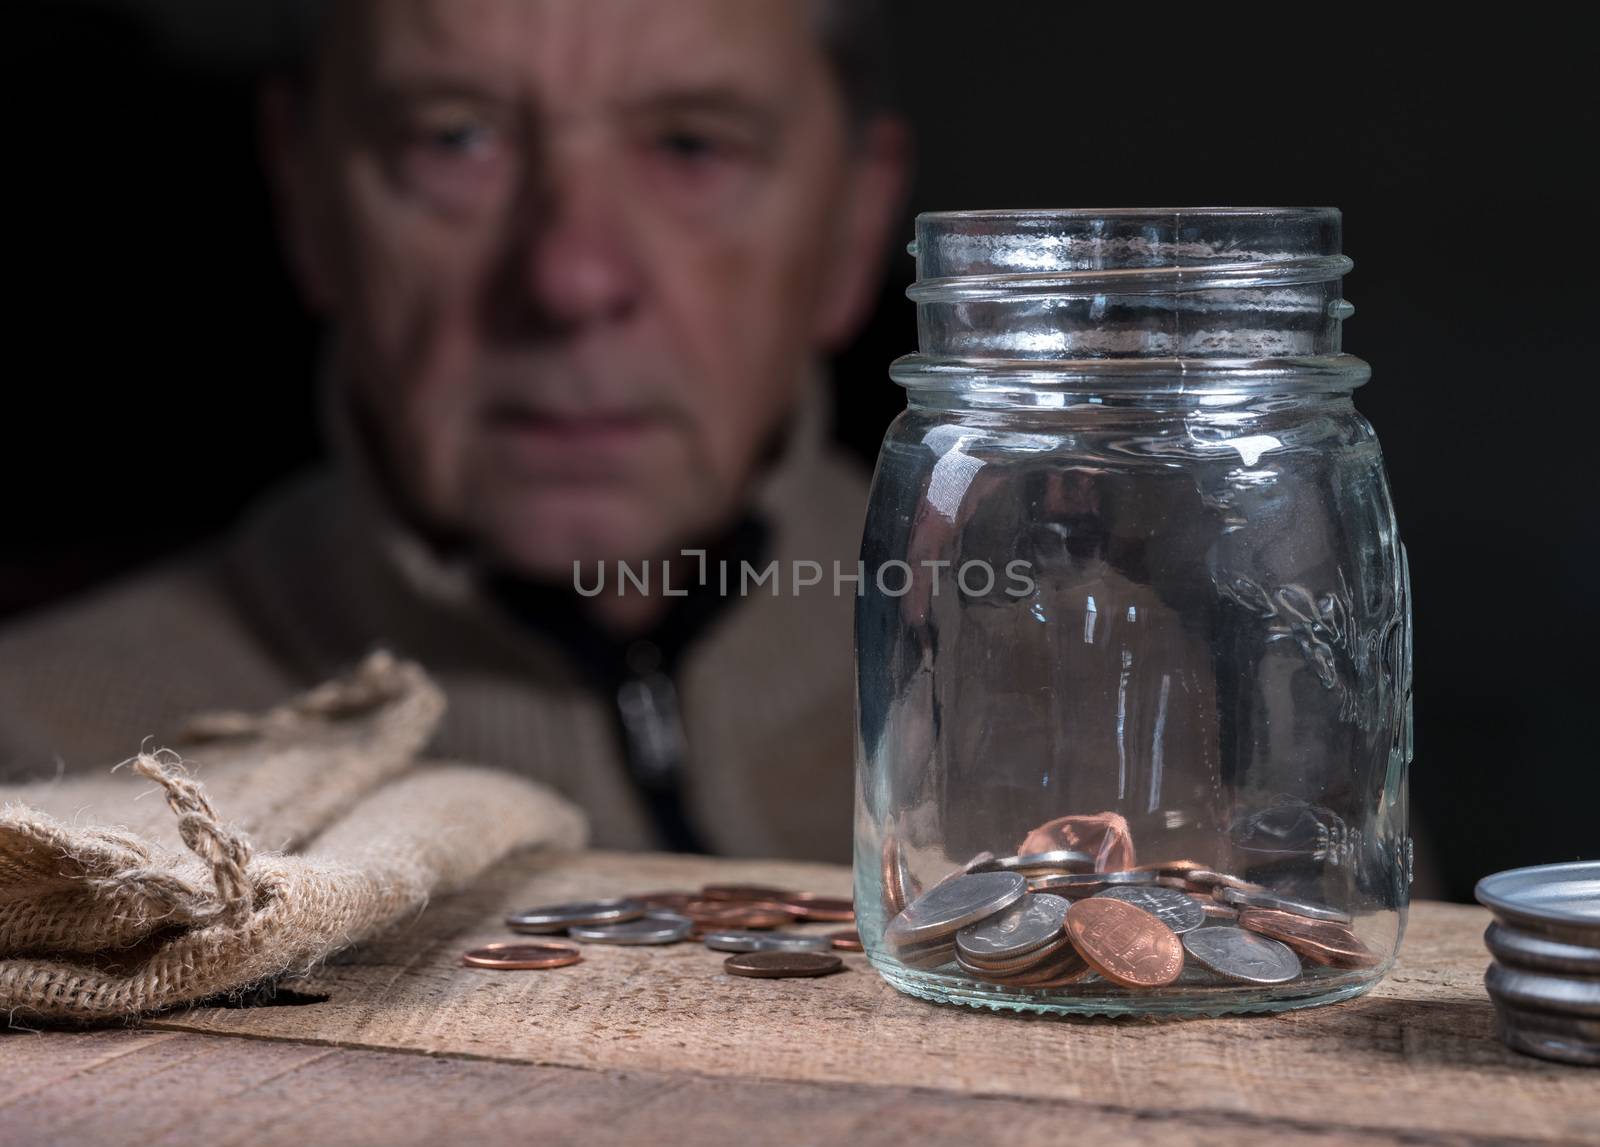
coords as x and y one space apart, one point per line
1249 898
1177 910
651 928
1030 923
559 917
848 940
1321 941
522 957
782 965
947 907
1241 955
1126 945
746 941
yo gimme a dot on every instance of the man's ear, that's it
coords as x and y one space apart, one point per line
288 155
874 196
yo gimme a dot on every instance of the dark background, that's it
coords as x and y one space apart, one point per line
161 371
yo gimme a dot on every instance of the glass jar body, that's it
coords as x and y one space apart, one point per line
1168 632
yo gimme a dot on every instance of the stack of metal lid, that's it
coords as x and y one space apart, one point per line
1545 939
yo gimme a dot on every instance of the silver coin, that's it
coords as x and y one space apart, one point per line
1089 883
1030 923
1060 860
741 940
952 905
1177 910
651 928
1246 898
1241 955
560 917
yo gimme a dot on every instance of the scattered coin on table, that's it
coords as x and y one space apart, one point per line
559 917
522 957
651 928
782 965
746 941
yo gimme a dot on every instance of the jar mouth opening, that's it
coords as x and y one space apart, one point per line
1033 214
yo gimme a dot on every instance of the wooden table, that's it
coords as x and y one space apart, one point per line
659 1045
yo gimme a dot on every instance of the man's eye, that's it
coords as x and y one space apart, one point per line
690 146
460 139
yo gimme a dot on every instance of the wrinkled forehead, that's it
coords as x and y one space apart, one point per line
571 51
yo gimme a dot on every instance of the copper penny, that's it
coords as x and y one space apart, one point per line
522 957
675 900
1126 945
739 914
782 965
848 940
821 909
1322 941
743 892
899 886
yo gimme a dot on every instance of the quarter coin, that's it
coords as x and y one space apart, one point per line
952 905
1241 955
560 917
1177 910
782 965
651 928
522 957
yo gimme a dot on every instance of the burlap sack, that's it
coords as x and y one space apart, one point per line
112 906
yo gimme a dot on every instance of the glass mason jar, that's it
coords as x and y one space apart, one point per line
1133 635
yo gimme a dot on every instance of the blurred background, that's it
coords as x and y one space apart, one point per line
165 373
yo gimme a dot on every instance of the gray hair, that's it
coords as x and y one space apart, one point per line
854 34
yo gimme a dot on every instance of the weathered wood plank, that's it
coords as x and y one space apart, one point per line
1418 1055
122 1088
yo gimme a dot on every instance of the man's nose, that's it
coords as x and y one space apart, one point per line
575 262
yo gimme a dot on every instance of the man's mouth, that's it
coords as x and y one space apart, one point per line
571 444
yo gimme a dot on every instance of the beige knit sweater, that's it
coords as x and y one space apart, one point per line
320 572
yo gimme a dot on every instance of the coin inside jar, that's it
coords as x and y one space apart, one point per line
739 940
1126 945
952 905
1177 910
1251 898
1321 941
560 917
651 928
522 957
782 965
1030 923
1241 955
1060 860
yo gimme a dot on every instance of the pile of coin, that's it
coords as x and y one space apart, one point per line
739 918
1049 919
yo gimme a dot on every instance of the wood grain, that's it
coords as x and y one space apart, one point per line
164 1089
1417 1058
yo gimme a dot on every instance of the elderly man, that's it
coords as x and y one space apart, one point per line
581 261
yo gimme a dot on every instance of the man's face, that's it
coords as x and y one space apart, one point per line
581 254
